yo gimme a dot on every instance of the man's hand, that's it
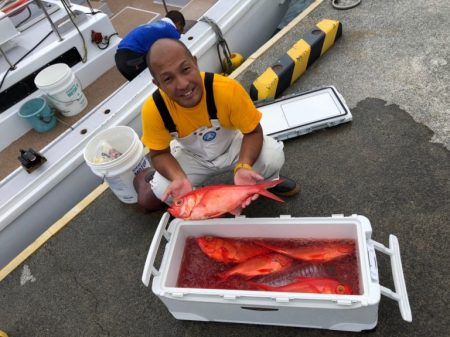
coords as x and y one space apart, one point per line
247 177
177 188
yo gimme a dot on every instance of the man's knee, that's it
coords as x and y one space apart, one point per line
146 197
271 158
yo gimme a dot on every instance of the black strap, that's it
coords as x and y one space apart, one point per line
164 112
210 104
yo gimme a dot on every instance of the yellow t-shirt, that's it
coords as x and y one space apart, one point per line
235 110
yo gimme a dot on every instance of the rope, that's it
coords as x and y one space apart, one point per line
221 44
335 3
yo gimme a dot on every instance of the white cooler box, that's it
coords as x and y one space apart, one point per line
325 311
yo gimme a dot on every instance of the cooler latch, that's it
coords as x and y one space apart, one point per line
346 303
282 299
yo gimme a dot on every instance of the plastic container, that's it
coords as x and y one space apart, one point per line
325 311
37 112
128 160
64 91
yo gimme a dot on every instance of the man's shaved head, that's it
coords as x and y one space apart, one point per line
162 47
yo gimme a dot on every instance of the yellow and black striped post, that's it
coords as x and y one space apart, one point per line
295 62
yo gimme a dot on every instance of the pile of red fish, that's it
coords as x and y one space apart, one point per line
250 259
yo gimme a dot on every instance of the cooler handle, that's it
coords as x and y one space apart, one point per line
149 268
400 295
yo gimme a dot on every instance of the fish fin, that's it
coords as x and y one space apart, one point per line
268 184
270 195
261 243
223 276
237 211
260 286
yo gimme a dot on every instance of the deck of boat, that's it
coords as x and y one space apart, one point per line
125 16
390 164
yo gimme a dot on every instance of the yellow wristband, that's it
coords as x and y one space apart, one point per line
243 166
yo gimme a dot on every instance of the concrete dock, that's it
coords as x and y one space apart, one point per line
390 164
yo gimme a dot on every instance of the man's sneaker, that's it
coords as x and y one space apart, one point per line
288 188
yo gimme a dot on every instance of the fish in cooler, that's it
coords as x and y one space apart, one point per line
259 265
323 252
309 285
229 250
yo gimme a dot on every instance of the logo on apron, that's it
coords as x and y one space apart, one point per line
209 136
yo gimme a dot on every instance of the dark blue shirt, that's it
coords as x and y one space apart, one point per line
142 37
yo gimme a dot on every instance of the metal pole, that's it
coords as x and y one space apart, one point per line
54 28
165 6
7 60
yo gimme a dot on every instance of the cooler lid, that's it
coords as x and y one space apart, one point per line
299 114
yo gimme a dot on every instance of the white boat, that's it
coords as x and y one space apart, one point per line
64 44
30 203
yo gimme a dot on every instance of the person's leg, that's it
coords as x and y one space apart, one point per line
268 164
129 63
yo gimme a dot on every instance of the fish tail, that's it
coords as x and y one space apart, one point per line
268 184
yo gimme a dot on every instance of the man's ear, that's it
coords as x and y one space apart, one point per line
195 60
155 82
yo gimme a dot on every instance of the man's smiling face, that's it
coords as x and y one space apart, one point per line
176 72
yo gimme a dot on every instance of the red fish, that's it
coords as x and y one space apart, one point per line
216 200
259 265
229 250
317 253
310 285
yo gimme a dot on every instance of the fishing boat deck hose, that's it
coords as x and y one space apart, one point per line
227 64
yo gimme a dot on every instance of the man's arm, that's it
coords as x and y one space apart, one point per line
251 146
166 164
250 149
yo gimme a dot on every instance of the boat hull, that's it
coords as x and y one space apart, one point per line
49 192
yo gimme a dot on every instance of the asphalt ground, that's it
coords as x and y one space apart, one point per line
391 164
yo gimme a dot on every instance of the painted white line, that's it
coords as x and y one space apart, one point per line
135 9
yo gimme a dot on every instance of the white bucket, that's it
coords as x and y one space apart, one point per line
62 88
120 172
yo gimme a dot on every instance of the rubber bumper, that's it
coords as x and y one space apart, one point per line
294 63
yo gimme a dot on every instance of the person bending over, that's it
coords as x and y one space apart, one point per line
132 50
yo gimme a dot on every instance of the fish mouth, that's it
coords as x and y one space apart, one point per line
171 211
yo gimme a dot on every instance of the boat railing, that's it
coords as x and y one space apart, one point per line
26 3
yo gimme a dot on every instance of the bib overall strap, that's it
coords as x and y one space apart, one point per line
210 104
164 112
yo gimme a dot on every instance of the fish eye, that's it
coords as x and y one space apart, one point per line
340 289
178 202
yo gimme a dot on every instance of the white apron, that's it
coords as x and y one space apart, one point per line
207 143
